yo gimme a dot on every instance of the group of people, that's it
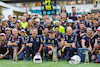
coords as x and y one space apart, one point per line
36 36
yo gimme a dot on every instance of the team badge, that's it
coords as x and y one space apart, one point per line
59 37
48 41
37 39
66 37
31 39
72 38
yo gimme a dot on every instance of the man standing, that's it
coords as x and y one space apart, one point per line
73 15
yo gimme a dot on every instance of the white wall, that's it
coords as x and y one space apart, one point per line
7 12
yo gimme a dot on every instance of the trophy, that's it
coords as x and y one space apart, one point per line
15 58
54 57
86 57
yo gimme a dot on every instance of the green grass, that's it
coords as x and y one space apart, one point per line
62 63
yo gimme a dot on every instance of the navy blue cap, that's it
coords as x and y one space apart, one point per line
51 31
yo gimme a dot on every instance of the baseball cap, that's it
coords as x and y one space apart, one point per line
3 20
7 28
14 16
22 30
2 34
51 31
19 21
37 20
34 17
79 15
70 21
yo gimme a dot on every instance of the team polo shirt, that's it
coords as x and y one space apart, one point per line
35 42
17 40
70 39
59 36
89 41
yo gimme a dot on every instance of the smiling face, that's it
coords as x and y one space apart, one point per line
15 32
69 31
7 31
2 38
51 35
34 32
89 32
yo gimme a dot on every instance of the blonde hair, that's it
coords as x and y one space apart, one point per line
29 22
19 27
3 24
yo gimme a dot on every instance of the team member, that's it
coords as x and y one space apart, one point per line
50 42
73 15
70 43
13 23
18 25
29 28
3 47
95 25
34 44
88 42
80 33
3 25
58 35
23 35
49 24
16 41
61 28
97 41
38 26
64 20
45 33
8 34
70 23
63 10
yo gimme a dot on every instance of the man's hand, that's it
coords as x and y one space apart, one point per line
15 44
30 45
82 34
84 47
1 56
18 53
26 5
50 52
63 49
67 44
38 53
89 48
73 46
